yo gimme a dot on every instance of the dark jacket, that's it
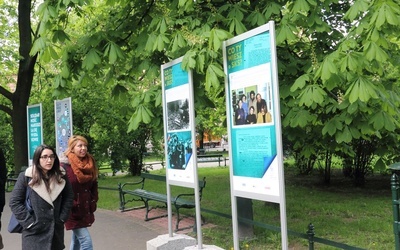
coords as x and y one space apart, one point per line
3 179
46 231
85 201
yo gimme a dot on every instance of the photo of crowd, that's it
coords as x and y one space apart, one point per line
179 151
178 114
250 108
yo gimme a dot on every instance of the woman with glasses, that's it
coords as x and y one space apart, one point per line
51 198
82 173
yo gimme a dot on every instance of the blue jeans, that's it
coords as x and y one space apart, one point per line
81 239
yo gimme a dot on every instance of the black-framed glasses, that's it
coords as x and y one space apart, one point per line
46 157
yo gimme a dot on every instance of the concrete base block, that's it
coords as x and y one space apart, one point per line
176 242
208 247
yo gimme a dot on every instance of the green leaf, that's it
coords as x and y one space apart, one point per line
353 107
385 14
389 124
38 45
378 120
363 89
380 165
382 120
84 80
92 58
150 43
159 42
380 16
136 101
163 26
375 35
366 129
358 6
312 94
285 33
65 71
318 94
300 82
146 115
41 8
373 52
332 126
178 41
355 133
391 16
235 13
134 121
113 51
60 36
119 90
256 18
214 43
147 96
271 8
301 119
213 72
344 136
189 61
236 26
301 6
351 61
200 62
158 98
328 67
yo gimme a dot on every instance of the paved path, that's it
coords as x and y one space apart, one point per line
224 162
111 230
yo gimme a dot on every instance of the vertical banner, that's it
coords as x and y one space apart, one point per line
180 135
35 129
63 123
253 113
179 124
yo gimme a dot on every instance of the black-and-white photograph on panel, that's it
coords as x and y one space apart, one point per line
178 114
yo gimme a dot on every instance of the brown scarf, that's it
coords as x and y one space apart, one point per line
84 169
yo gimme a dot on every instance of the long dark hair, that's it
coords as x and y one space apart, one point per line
38 175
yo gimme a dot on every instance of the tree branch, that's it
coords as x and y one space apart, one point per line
6 109
145 13
7 94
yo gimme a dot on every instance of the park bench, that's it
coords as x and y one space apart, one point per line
183 200
211 158
12 178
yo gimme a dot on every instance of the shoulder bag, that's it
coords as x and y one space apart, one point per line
13 225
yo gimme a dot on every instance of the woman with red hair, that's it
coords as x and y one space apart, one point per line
82 173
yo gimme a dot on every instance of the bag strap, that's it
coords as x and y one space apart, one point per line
27 195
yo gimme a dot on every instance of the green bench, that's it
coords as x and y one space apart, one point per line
211 158
12 178
138 192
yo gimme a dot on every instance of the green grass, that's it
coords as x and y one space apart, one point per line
360 217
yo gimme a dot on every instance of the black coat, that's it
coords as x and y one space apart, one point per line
50 212
3 179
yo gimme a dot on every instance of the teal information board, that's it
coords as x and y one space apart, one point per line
35 128
254 128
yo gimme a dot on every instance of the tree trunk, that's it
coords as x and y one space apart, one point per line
20 102
135 166
22 92
327 169
245 210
